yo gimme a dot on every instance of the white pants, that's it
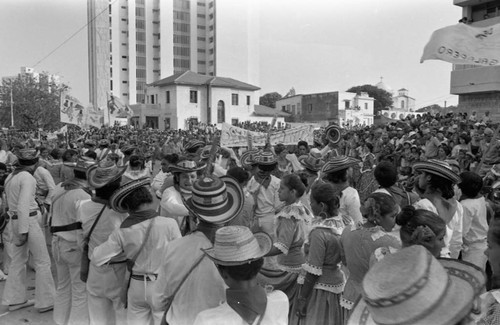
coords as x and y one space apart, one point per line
71 299
474 253
104 286
15 287
140 304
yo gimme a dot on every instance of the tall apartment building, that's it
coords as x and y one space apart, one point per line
478 87
133 43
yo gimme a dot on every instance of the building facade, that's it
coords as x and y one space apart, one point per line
478 87
188 97
133 43
324 108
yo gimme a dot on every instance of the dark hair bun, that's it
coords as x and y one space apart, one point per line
406 214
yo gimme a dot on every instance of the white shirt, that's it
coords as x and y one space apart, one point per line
171 204
158 180
276 313
350 204
267 199
20 191
475 220
45 183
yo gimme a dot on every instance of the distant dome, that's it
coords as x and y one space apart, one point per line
384 86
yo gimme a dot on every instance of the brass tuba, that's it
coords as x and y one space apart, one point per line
333 133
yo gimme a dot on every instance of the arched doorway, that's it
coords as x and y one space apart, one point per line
221 112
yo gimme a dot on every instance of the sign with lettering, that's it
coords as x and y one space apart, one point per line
464 44
232 136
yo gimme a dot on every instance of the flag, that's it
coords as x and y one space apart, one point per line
71 111
464 44
116 107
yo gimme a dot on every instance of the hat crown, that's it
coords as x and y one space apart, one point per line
411 280
106 168
265 157
208 192
235 243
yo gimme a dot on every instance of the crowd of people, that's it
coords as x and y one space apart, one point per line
383 224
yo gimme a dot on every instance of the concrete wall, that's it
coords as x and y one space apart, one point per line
320 107
292 105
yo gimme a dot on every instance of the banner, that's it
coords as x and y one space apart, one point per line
71 110
232 136
464 44
116 107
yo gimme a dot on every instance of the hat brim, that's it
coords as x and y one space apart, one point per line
303 161
246 158
233 206
265 244
116 200
437 170
98 183
179 169
345 165
453 306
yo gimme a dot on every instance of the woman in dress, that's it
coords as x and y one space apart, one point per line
367 183
143 236
136 169
435 182
323 283
172 204
360 241
291 230
335 171
464 144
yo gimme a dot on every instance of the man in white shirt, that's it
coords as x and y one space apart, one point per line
27 236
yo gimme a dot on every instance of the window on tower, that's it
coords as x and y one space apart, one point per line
193 96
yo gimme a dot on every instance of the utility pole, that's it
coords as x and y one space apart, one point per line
11 108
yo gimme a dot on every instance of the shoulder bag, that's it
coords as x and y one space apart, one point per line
85 261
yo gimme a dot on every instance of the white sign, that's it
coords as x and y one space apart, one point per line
464 44
232 136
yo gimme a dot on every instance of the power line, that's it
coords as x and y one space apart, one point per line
73 35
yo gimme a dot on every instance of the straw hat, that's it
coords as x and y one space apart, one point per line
413 287
236 245
265 158
116 200
338 163
314 161
82 164
215 200
186 166
438 168
27 157
247 158
104 173
193 145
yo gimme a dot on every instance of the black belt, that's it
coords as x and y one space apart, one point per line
71 226
144 277
31 214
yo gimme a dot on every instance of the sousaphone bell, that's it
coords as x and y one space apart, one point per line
333 133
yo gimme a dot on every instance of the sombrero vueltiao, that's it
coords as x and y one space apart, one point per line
265 158
247 158
215 200
338 163
27 157
193 146
186 166
116 200
438 168
412 287
104 173
314 161
236 245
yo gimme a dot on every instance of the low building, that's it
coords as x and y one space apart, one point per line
324 108
185 98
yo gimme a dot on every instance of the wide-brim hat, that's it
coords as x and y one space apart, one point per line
83 164
338 163
413 287
27 156
236 245
186 166
247 158
438 168
104 173
193 145
314 161
205 152
128 149
265 158
333 133
116 200
215 200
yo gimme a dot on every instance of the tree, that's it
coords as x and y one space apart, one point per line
383 98
36 102
270 99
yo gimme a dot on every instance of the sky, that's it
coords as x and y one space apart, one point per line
311 45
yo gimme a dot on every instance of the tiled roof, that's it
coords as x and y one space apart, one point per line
195 79
261 110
